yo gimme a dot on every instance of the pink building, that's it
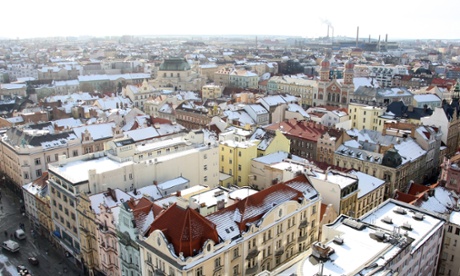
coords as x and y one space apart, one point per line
451 173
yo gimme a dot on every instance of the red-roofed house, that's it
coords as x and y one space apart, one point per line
259 232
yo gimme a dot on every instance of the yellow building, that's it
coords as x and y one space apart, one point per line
371 192
88 232
270 141
260 232
211 91
235 159
302 88
366 117
336 188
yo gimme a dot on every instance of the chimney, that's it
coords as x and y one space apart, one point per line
327 30
357 36
369 38
155 182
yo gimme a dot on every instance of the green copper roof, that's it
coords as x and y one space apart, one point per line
174 64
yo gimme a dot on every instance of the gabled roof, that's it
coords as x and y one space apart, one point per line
234 219
186 229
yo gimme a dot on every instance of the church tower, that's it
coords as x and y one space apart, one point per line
325 69
348 73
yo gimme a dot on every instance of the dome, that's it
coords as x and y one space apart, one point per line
325 63
391 158
349 65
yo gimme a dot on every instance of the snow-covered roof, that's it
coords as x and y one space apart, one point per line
340 179
424 228
107 200
97 131
367 183
427 98
67 122
358 250
277 157
442 201
142 133
77 171
455 218
293 107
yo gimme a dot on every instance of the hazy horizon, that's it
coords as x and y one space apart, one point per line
399 19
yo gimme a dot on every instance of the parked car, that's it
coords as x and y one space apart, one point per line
23 271
10 245
20 234
33 261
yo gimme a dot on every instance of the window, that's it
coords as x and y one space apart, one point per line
205 167
64 197
457 231
239 153
38 172
75 153
239 167
449 229
26 175
205 178
217 263
54 202
239 178
72 216
236 253
313 210
37 161
60 207
236 270
199 271
48 158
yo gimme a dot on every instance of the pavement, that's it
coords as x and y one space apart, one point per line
52 260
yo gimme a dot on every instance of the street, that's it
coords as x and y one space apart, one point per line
52 261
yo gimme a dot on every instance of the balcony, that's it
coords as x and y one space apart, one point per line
280 251
252 270
302 238
303 224
253 253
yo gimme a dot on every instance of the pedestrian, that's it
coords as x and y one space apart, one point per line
6 234
11 236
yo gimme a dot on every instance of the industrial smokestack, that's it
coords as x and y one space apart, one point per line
386 38
357 36
328 31
369 38
378 44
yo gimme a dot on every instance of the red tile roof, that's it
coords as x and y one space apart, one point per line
405 197
186 229
302 129
417 189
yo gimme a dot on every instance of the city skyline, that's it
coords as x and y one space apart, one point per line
398 19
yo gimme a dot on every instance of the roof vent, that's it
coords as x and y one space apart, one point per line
400 211
387 220
406 225
354 224
418 216
338 240
380 235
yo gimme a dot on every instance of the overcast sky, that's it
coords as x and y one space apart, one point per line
398 18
